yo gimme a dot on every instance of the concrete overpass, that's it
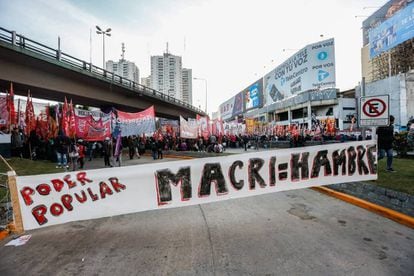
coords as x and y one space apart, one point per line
51 74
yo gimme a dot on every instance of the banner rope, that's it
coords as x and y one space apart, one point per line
7 163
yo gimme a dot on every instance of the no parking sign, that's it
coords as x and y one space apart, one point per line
374 110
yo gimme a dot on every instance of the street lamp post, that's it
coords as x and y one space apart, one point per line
206 88
103 33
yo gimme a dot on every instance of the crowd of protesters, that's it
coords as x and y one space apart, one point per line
71 154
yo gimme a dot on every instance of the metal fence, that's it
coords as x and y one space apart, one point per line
25 43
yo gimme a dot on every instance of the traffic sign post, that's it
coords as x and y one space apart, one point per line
374 110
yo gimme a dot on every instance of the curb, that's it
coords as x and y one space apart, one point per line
383 211
11 229
4 234
171 156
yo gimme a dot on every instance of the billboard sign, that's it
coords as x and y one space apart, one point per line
253 95
382 14
232 107
392 32
226 109
312 67
238 104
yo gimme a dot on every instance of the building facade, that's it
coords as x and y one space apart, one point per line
124 68
166 75
387 58
187 85
387 41
146 81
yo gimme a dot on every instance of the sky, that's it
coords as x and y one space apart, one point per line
229 43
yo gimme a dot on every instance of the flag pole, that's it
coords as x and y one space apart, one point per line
18 113
29 123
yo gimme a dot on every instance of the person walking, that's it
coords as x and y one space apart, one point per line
107 151
154 149
245 141
62 143
136 146
92 147
81 150
131 147
16 143
73 154
160 147
385 140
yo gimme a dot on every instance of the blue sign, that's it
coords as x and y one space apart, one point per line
322 55
322 75
254 95
392 32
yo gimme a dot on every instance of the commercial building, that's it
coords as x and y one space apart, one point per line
299 90
387 41
387 58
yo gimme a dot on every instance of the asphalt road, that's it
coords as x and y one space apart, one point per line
298 232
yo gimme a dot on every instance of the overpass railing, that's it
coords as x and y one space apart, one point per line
23 42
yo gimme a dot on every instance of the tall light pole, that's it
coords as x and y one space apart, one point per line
206 88
103 33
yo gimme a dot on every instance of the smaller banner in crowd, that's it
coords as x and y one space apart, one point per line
203 125
169 127
188 130
4 114
234 128
72 196
217 127
250 126
136 123
92 125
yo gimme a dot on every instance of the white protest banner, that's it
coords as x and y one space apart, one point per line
58 198
188 129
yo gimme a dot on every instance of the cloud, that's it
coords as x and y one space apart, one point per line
230 43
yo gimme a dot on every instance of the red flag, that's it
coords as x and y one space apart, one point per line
10 106
30 116
53 128
71 125
42 124
65 118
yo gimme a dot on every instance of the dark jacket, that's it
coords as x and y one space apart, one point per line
385 137
62 143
